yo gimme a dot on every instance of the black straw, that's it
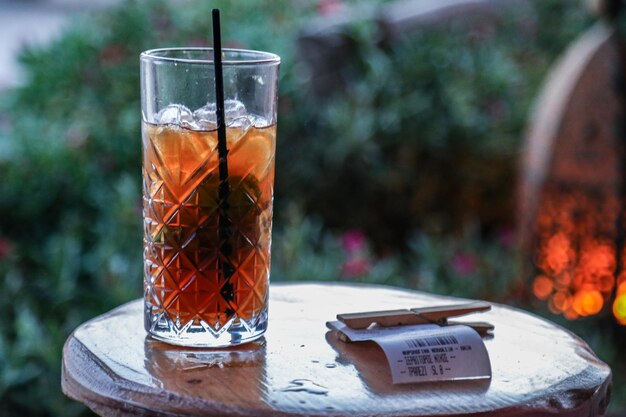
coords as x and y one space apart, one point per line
225 224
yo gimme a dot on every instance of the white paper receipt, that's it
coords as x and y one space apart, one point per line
427 352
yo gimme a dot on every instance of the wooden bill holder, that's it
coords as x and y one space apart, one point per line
424 315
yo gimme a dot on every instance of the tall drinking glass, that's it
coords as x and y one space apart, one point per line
207 222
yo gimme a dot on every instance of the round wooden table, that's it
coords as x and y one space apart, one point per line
302 369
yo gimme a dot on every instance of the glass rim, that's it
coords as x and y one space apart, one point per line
255 57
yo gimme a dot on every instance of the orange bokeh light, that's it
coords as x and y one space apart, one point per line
598 258
542 287
619 310
576 255
563 280
619 305
561 301
587 303
558 253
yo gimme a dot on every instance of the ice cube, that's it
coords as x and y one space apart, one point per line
234 112
204 118
237 116
258 121
244 123
200 125
206 113
174 114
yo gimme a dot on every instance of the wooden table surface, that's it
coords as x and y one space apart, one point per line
302 369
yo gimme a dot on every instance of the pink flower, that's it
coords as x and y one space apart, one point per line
353 241
5 248
355 267
328 7
464 263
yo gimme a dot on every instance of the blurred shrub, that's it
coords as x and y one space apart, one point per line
466 266
422 142
427 131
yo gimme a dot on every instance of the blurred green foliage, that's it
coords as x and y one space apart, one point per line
404 177
440 112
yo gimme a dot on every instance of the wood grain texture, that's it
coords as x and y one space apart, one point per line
302 369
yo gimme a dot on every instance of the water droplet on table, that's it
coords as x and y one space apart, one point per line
305 385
